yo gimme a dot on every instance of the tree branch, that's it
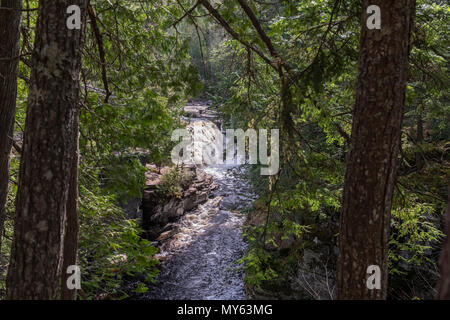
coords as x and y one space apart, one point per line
101 50
16 9
186 13
233 33
262 34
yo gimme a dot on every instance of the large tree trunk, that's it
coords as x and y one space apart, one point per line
9 61
372 157
444 282
47 155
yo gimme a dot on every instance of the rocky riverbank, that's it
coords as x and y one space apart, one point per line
189 187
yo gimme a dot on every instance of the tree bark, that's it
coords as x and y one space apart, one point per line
444 282
47 155
372 158
9 61
71 232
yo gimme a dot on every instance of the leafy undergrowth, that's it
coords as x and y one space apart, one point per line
111 251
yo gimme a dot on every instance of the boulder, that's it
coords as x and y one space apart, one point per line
167 234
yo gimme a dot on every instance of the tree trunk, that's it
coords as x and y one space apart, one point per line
444 282
9 61
71 234
372 157
47 155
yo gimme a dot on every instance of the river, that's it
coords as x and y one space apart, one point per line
200 261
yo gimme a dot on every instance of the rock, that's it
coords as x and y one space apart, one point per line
192 217
158 210
228 203
166 235
202 197
189 203
180 211
152 179
213 186
165 170
193 111
168 227
189 192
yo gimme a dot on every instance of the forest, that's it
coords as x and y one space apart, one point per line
224 150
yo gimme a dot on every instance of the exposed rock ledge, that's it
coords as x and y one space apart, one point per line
159 211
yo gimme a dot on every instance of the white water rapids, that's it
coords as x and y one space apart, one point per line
199 262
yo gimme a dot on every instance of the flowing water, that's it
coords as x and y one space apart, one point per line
200 261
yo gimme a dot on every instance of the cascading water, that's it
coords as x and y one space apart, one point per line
199 262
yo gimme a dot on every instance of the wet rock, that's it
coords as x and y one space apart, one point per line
166 235
189 203
202 197
158 209
228 203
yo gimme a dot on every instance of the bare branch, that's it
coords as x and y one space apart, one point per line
101 50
